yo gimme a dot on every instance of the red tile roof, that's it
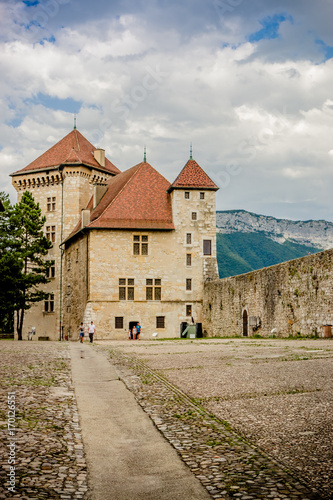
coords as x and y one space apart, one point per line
193 177
135 199
74 148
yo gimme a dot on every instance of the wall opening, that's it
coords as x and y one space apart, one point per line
245 324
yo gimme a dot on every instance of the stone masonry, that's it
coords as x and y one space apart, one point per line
289 299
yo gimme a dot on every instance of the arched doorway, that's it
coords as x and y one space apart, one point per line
245 325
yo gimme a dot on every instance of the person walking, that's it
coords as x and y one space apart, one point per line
138 331
81 332
92 330
134 332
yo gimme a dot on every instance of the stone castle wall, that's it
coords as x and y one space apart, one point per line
292 298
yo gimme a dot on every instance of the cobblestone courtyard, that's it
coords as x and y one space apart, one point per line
276 394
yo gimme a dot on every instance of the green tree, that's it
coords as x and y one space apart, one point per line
27 246
9 268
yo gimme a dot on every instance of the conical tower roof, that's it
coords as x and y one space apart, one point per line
193 177
74 148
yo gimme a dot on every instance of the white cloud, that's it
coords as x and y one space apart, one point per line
259 115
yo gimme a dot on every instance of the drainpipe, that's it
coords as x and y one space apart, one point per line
61 251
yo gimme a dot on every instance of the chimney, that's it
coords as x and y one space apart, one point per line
99 155
85 218
99 192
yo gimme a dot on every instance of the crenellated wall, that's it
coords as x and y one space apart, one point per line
292 298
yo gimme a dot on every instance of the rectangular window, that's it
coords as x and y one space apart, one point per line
140 244
188 310
49 303
207 247
202 196
188 284
160 321
126 289
187 195
153 289
51 204
50 233
149 293
194 215
51 270
119 322
189 259
188 238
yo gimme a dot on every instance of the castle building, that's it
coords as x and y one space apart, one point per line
127 246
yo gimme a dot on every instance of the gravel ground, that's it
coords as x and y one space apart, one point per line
44 431
276 393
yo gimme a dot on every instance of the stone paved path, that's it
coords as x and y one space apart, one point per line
48 448
226 465
127 457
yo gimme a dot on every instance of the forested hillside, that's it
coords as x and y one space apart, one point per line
239 253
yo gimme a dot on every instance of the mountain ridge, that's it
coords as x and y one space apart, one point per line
311 233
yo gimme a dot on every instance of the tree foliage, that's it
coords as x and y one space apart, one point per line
23 247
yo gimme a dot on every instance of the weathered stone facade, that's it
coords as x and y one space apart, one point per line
288 299
96 260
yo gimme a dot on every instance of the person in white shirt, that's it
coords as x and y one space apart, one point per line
92 330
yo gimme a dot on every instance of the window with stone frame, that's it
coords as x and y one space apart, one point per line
189 259
187 195
140 244
126 288
153 289
188 284
188 309
207 247
188 238
51 204
119 322
51 233
51 270
160 321
49 303
194 215
202 195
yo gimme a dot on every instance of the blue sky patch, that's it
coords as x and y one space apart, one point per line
270 27
31 3
326 49
70 105
15 122
51 39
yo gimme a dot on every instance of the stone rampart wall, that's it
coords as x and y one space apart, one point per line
292 298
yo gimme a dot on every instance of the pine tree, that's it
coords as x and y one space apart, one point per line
9 269
28 247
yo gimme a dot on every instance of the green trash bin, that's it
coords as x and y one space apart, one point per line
190 332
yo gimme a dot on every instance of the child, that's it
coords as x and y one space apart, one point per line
81 331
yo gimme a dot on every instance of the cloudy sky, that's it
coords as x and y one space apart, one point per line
248 82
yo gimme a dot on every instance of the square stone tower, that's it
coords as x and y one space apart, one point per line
62 181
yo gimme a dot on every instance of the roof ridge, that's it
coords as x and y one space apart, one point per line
119 192
77 140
